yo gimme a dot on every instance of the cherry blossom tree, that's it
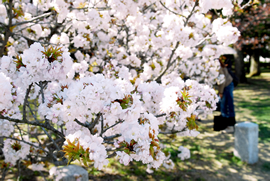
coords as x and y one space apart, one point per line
105 78
252 20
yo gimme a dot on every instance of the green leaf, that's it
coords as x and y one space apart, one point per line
191 124
152 152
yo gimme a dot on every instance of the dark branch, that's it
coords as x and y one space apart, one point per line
191 13
112 137
111 127
160 115
26 100
158 78
49 127
172 11
25 143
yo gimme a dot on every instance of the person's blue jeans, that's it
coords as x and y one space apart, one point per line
226 103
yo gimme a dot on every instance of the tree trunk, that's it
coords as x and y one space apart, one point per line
255 64
240 66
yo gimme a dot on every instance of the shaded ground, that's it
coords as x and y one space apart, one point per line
212 156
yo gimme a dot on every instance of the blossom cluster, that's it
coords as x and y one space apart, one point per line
91 144
185 153
37 64
6 127
116 71
141 143
11 96
15 150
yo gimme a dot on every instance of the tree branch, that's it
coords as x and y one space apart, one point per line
171 10
111 127
172 131
207 37
41 91
51 139
158 78
191 13
26 100
4 171
80 123
249 3
8 31
160 115
33 19
32 112
49 127
102 122
25 143
112 155
19 131
112 137
92 125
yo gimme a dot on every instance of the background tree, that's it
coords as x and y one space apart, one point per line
253 23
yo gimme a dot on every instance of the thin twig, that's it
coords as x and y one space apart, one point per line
111 127
64 161
4 173
96 8
145 8
41 91
160 115
32 112
37 139
172 131
191 13
19 130
93 124
7 28
51 139
56 141
33 19
112 155
102 122
89 126
249 3
25 142
207 37
158 78
49 127
171 10
19 170
43 175
43 98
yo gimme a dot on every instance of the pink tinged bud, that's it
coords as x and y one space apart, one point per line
54 120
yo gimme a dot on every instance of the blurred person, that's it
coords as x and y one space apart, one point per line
225 92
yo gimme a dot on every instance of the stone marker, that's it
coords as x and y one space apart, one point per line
69 173
246 142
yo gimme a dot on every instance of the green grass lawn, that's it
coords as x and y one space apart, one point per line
259 106
262 113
